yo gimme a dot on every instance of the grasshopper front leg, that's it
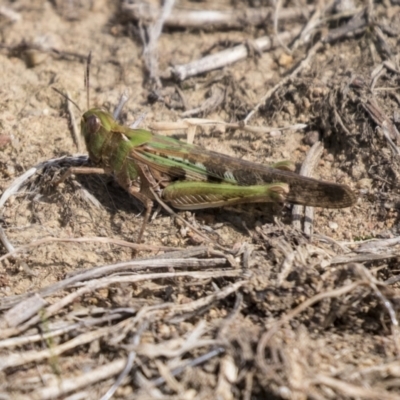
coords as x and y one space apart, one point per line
199 195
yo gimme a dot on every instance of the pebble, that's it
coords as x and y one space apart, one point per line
311 138
333 225
275 133
285 60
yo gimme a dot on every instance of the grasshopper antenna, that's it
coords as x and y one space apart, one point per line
87 81
66 97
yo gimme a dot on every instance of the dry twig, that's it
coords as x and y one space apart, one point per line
208 19
307 168
150 49
226 57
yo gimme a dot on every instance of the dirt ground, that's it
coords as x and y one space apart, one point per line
268 311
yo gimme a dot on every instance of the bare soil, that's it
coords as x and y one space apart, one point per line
277 314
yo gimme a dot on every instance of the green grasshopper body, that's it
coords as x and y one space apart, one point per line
187 177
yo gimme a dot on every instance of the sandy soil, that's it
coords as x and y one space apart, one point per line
280 315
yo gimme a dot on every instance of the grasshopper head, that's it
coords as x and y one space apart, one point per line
96 124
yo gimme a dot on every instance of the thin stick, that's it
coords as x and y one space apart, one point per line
211 19
110 369
278 6
352 391
135 124
373 283
226 57
355 258
307 169
129 364
9 13
67 98
190 364
122 101
150 51
6 243
135 265
205 301
52 333
14 359
105 282
308 29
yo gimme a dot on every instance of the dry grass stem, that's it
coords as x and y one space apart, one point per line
97 272
65 386
150 49
308 167
373 283
350 390
121 103
226 57
208 19
10 14
359 258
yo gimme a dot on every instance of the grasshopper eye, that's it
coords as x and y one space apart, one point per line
93 124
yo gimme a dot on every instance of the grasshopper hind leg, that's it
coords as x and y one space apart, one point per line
199 195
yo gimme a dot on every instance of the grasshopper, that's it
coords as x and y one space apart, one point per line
153 168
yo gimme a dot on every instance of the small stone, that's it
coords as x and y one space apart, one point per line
306 103
4 140
285 392
285 60
311 138
341 6
190 394
275 133
333 225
